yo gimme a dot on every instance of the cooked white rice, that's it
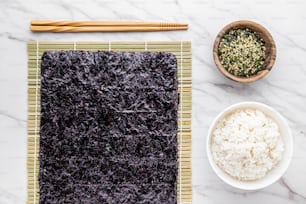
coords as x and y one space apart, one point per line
247 144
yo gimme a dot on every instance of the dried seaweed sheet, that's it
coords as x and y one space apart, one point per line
108 127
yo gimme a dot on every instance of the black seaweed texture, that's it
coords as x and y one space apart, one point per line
108 127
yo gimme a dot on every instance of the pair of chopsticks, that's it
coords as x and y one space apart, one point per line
102 26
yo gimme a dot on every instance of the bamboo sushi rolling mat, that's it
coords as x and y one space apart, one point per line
182 50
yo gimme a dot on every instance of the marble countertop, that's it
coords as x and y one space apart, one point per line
284 88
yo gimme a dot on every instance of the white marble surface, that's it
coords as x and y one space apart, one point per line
284 88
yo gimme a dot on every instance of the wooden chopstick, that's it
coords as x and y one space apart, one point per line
102 26
102 29
104 23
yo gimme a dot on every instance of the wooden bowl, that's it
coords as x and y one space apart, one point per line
269 44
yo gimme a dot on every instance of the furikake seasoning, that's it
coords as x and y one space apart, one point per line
242 52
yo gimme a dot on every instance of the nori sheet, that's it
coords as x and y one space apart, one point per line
108 131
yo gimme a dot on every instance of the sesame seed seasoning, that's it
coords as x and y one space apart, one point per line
242 52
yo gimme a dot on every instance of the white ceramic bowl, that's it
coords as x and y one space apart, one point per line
278 170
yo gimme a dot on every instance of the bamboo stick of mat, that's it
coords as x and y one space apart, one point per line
73 29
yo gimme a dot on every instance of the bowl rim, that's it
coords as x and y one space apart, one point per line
241 185
247 24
